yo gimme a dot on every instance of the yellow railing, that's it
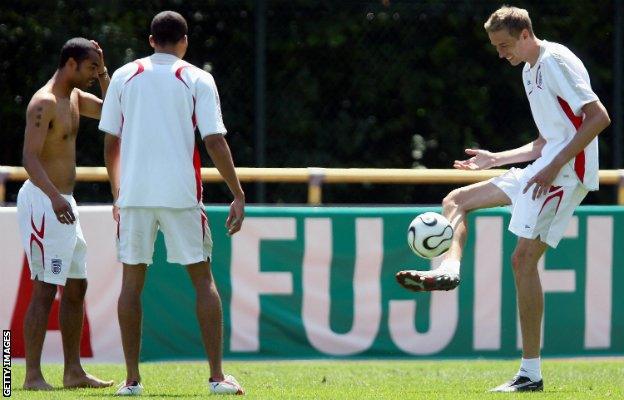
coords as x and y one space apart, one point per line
316 177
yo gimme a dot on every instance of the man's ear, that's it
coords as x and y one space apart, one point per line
73 65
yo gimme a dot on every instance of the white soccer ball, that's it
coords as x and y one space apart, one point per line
429 235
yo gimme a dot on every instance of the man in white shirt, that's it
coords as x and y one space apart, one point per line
153 107
543 196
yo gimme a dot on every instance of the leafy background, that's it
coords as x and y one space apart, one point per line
383 84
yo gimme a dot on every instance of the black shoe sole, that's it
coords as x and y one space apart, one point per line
533 387
418 283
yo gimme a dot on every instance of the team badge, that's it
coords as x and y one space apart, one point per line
57 265
538 77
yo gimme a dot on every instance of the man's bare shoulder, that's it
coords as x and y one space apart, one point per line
77 92
43 101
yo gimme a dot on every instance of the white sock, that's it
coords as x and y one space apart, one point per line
530 367
450 266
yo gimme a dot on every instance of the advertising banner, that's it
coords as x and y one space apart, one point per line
304 282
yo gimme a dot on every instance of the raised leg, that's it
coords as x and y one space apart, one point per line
456 206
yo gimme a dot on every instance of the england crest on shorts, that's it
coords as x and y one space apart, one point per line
57 265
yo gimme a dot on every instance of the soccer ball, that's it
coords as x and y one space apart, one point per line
429 235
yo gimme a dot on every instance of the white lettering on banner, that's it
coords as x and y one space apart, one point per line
598 278
12 254
443 319
488 271
366 286
248 282
104 276
553 281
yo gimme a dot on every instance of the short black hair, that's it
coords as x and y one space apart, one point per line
77 48
168 27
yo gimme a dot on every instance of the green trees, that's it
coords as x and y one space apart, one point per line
349 83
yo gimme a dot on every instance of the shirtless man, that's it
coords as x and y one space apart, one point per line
47 212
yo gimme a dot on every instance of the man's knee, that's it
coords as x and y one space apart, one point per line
131 289
454 201
133 280
524 261
75 290
200 274
43 292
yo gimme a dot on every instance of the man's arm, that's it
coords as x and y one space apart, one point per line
90 105
39 114
483 159
111 161
219 152
595 121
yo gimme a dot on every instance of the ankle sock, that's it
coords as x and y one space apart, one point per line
531 368
450 266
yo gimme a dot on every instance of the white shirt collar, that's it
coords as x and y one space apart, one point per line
164 58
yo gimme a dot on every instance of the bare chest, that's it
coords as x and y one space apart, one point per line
64 125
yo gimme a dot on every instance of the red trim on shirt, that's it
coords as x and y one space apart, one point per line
178 74
576 120
579 165
559 195
140 69
193 116
197 166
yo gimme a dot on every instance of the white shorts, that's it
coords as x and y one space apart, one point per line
186 231
55 251
546 217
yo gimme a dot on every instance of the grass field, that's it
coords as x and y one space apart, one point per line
568 379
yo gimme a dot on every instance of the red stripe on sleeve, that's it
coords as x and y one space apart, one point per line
197 166
140 69
576 120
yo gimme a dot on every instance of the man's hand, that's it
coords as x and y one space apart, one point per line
481 159
116 213
237 214
543 180
101 66
63 210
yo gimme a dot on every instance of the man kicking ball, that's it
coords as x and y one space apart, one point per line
543 196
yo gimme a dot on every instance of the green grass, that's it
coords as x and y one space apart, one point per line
568 379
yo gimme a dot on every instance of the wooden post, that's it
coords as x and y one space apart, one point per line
620 191
315 186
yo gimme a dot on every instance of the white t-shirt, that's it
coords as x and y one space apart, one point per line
558 87
154 105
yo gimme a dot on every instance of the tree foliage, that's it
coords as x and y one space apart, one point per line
384 84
